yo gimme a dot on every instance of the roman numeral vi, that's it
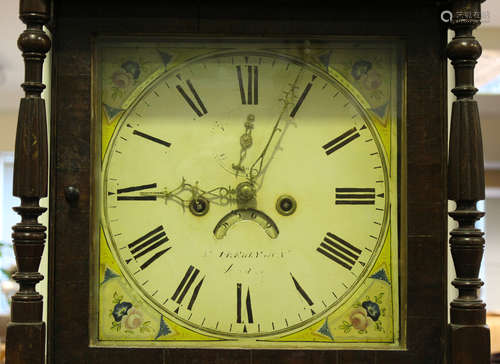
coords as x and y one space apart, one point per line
239 304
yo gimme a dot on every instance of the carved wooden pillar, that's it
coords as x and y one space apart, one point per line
469 335
26 333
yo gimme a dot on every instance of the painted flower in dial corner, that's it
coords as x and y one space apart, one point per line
122 79
133 319
121 310
372 80
360 68
127 76
132 68
372 309
363 72
359 319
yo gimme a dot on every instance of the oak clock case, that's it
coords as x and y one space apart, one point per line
248 193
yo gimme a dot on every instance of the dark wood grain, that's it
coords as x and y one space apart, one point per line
72 163
25 341
469 335
185 356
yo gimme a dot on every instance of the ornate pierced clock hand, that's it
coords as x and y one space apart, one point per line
245 191
219 195
256 167
245 143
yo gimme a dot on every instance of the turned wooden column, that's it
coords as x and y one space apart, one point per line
26 331
469 335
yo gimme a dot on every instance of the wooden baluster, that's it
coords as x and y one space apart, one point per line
469 335
26 333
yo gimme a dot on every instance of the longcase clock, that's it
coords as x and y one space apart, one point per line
249 184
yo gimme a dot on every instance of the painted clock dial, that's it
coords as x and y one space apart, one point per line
245 194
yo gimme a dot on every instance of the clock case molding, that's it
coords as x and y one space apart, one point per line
106 50
430 183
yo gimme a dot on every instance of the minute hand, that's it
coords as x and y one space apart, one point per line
256 167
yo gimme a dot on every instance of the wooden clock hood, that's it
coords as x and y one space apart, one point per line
465 340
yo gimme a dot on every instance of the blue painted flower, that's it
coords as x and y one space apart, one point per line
372 309
121 310
133 68
360 68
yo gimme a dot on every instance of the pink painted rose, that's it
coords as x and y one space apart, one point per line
133 319
359 319
372 80
122 79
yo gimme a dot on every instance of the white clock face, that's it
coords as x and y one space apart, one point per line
296 183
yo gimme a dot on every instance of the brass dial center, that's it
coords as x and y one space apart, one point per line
245 192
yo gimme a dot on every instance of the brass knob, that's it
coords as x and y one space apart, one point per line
245 192
286 205
199 206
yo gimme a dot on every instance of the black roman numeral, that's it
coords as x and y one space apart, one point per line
303 293
134 189
248 305
151 138
354 196
148 243
186 283
341 140
190 102
250 96
302 97
339 251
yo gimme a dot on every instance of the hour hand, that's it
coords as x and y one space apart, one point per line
192 196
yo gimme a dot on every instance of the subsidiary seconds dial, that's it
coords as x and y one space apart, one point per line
245 194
